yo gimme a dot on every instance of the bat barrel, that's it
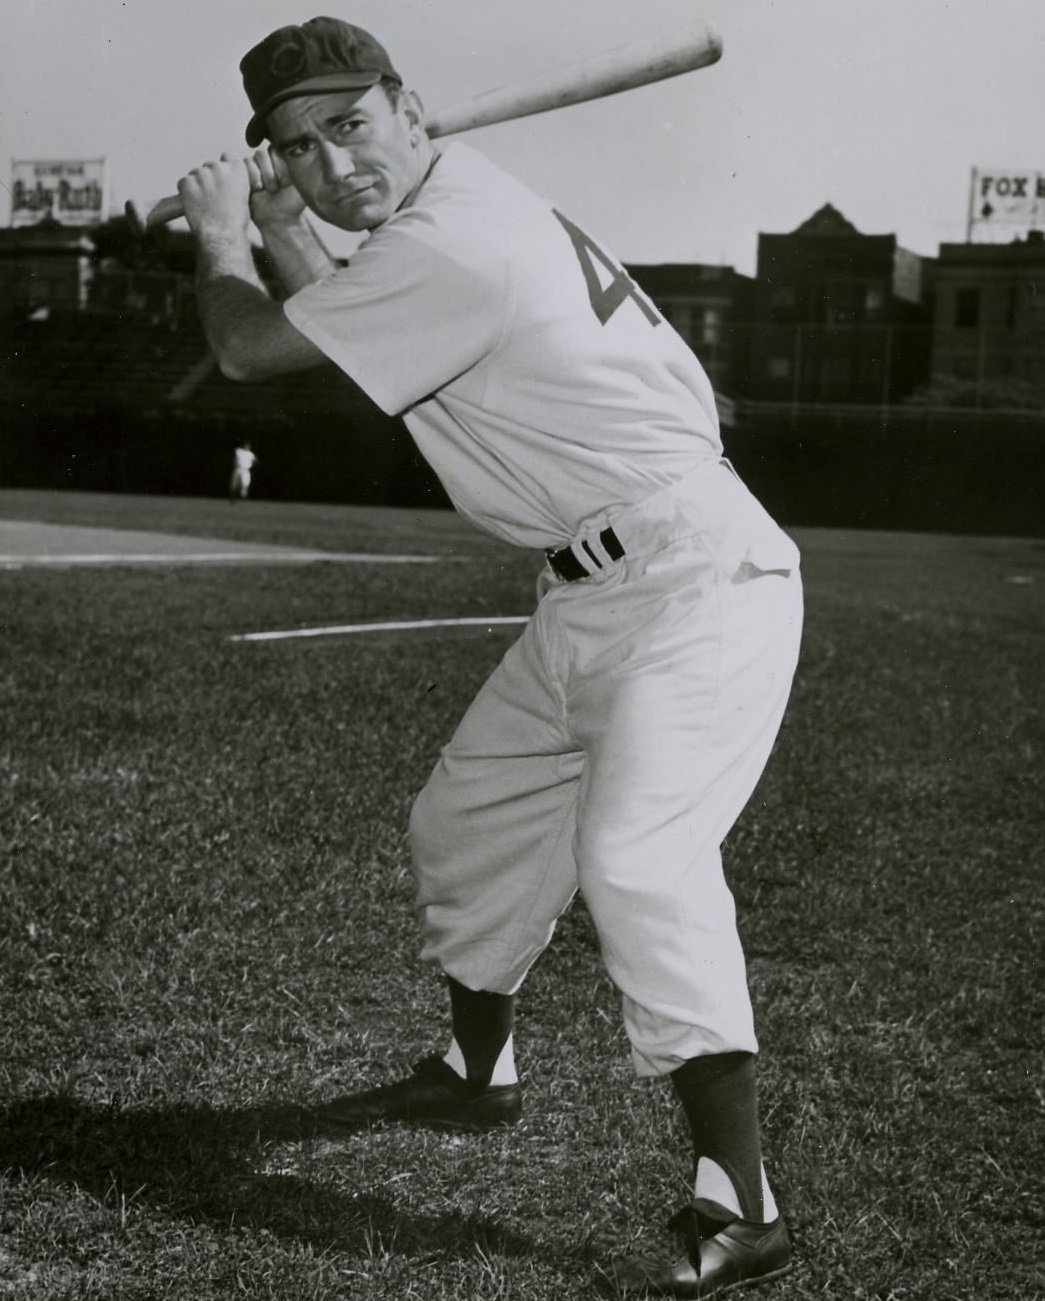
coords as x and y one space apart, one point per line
638 64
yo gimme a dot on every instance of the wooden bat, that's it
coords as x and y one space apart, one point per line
624 68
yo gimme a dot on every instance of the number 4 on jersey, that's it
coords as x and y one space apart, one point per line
605 299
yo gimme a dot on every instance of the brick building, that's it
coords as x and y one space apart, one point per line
839 316
708 306
45 267
989 323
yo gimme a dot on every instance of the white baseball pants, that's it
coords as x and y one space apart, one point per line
611 751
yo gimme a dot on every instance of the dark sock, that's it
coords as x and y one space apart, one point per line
719 1097
481 1024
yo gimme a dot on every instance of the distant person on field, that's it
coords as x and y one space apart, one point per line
620 737
243 462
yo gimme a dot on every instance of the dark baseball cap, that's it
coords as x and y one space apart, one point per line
323 54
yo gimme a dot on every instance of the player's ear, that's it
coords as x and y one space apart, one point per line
414 110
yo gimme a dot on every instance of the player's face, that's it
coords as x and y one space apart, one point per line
353 156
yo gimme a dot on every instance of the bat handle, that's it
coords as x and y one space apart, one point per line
142 219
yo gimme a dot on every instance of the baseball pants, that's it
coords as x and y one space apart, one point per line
610 752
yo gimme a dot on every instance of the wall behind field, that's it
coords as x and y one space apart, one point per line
924 470
948 472
97 403
109 448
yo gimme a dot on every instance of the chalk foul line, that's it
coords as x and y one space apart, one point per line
343 629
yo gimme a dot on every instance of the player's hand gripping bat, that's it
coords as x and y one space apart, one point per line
637 64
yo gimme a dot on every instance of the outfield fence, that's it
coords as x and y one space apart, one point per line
98 403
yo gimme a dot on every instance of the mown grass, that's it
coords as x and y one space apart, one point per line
206 921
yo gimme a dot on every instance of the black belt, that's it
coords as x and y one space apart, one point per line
566 565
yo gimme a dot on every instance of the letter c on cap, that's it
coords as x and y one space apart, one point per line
288 59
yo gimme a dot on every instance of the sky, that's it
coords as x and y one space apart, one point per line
880 107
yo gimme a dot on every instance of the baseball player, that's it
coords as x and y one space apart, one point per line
620 737
243 462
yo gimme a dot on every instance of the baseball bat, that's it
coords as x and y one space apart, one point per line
637 64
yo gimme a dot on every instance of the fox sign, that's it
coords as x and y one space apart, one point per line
1007 198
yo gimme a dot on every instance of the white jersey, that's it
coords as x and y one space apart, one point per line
538 381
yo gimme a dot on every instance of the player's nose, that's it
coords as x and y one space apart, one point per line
336 162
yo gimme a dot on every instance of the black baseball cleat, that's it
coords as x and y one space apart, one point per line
434 1096
740 1254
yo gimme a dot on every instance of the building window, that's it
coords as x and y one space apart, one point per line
967 309
836 373
779 367
782 303
679 316
711 326
841 301
874 302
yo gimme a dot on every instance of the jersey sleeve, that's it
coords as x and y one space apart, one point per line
405 318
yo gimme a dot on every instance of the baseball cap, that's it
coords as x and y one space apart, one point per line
324 54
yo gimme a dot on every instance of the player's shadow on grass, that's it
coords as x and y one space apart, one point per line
202 1165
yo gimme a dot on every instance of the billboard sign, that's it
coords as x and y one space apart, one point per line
1002 200
69 192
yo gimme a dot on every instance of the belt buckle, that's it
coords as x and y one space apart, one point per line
566 564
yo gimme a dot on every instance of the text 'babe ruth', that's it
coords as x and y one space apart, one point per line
619 739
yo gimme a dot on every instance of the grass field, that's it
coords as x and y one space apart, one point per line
206 920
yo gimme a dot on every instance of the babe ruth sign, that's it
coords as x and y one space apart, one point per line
71 193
